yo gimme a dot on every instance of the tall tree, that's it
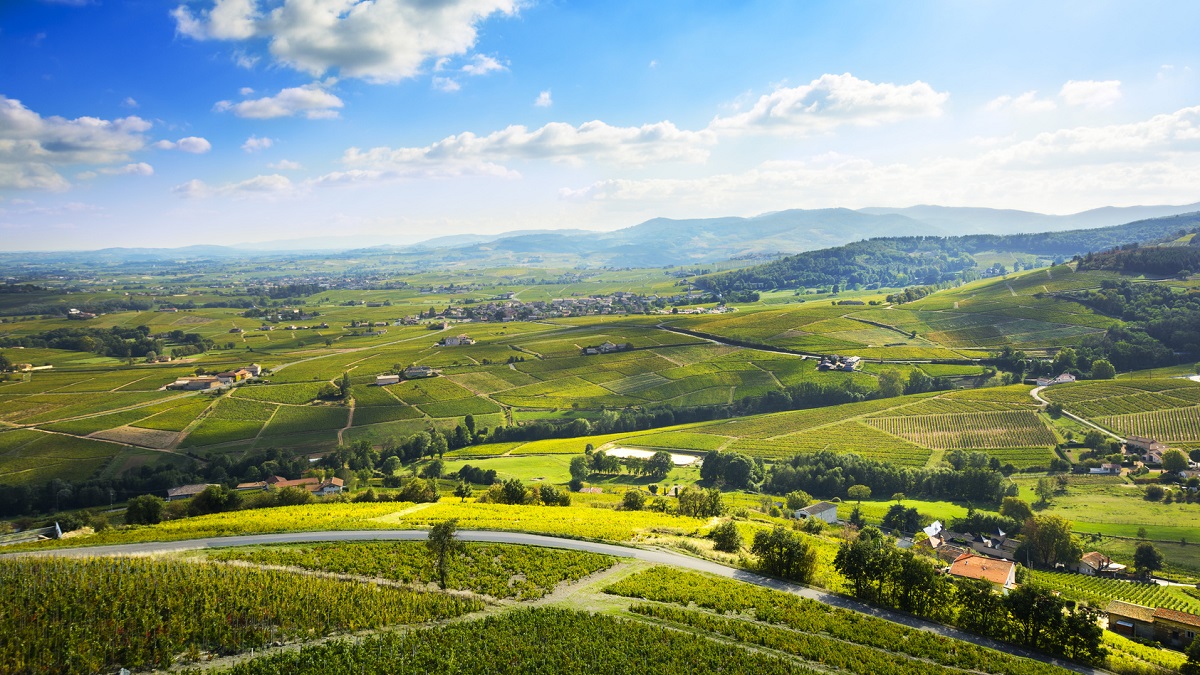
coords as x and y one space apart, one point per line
1049 541
444 545
1147 560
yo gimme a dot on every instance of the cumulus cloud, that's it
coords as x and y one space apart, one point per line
1023 103
831 101
31 146
376 40
130 102
543 100
446 84
469 153
285 165
311 100
269 185
135 169
482 65
192 144
1091 93
1081 166
254 144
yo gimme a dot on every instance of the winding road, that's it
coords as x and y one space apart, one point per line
1036 394
655 556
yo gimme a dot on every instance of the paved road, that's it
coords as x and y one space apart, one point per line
647 555
1036 393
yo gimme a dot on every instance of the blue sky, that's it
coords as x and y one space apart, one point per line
155 123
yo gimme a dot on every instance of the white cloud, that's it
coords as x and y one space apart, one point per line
1069 168
254 144
32 145
269 185
544 100
445 84
130 102
136 169
469 153
227 20
832 101
192 144
482 65
312 100
376 40
246 91
1091 93
285 165
1023 103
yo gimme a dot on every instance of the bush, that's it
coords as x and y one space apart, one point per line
726 537
1154 493
144 510
634 500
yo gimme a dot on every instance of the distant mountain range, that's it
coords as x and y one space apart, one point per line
666 241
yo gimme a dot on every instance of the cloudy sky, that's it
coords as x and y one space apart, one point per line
167 123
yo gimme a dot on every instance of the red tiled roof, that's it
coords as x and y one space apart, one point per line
1177 616
980 567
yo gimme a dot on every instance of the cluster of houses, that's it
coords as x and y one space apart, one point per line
317 486
77 315
223 379
507 308
269 327
835 362
605 348
456 341
1064 378
409 373
1167 626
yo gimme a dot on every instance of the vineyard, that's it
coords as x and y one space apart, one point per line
844 437
497 570
1099 591
93 615
527 640
966 431
1180 424
807 617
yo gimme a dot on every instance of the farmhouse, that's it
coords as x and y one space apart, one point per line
1129 619
417 372
186 491
821 511
79 316
1095 564
254 369
1144 445
1065 378
1000 573
195 383
231 376
457 340
1106 469
384 380
1175 628
314 485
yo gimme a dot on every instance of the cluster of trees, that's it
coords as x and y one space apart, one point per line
513 491
1159 322
1153 260
731 470
784 553
828 474
117 342
901 261
108 306
892 383
1033 616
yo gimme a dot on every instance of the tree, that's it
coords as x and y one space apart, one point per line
785 554
469 420
1093 439
900 518
726 537
214 499
144 510
444 546
433 469
1192 665
513 491
1103 370
1174 461
579 468
659 464
463 490
1064 360
1045 489
858 492
343 385
1016 508
1037 612
390 465
1050 542
861 561
634 499
1147 560
700 503
891 383
798 499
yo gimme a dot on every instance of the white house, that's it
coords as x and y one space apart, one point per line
1065 378
416 372
821 510
1095 563
384 380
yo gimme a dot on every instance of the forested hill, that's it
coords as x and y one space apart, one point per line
904 261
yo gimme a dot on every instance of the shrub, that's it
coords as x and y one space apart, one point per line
634 500
726 537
